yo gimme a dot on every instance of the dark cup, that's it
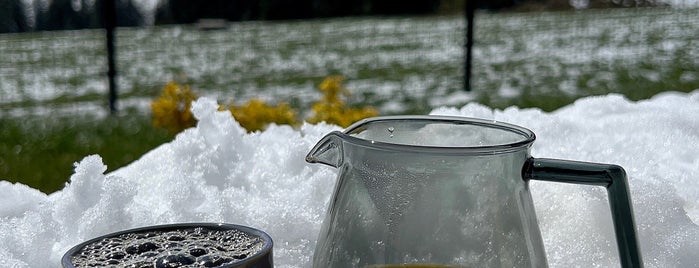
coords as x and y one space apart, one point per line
176 245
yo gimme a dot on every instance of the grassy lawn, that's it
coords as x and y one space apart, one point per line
40 152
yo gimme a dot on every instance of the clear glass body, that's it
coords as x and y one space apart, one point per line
428 190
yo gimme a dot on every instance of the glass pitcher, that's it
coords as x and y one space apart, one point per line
447 192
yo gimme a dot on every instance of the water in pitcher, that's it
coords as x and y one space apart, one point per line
425 213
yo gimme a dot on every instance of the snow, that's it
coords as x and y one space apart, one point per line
215 172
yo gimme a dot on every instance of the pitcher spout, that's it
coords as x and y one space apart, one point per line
327 151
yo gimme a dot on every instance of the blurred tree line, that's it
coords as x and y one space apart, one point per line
48 15
41 15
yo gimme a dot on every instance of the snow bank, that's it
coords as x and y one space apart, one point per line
216 172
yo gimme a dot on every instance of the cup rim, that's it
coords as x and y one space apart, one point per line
266 250
525 143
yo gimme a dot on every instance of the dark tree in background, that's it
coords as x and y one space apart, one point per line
16 16
128 15
45 15
186 11
13 16
285 9
66 15
395 7
332 8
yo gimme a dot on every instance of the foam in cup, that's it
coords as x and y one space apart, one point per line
186 247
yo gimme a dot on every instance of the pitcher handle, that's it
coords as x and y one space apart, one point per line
613 178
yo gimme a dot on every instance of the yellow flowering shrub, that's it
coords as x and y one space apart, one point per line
172 109
256 115
332 109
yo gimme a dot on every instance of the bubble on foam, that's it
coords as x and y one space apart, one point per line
186 247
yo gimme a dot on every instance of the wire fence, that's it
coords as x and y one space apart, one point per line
398 64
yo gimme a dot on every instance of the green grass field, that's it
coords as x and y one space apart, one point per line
52 84
40 152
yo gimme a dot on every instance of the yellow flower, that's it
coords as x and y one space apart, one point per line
255 115
172 109
332 87
331 109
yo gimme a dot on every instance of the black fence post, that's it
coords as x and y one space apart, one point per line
470 13
109 15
